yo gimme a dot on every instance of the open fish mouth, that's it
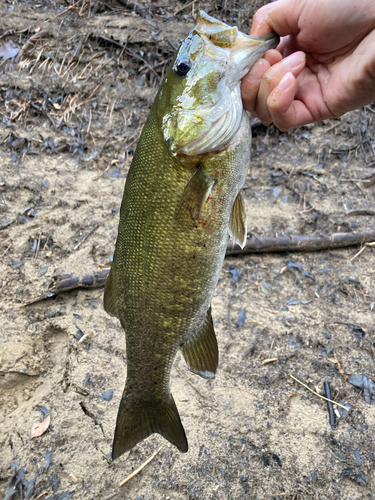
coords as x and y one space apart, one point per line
212 60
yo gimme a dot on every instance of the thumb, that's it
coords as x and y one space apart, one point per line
280 16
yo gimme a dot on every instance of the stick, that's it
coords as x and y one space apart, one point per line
250 349
28 43
229 325
270 360
260 244
184 7
85 237
253 245
143 466
41 495
331 413
64 284
38 246
362 250
8 248
316 394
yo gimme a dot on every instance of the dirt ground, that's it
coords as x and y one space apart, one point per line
71 111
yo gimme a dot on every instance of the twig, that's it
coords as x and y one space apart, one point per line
7 248
260 244
27 45
62 285
41 495
362 250
343 323
142 467
104 171
270 310
359 187
63 12
327 390
184 7
113 495
269 360
370 109
85 237
360 212
229 325
360 134
316 394
332 127
136 56
38 246
250 349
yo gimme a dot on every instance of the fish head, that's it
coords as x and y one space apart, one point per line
205 107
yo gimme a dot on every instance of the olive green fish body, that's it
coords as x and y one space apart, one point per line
181 202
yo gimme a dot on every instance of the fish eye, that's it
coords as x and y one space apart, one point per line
183 67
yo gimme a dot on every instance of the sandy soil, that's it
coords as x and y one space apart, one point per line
71 114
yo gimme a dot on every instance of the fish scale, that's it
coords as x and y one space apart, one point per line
179 206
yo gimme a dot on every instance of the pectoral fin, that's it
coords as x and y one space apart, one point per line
201 354
110 302
237 223
194 196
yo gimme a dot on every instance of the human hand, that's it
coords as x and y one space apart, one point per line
329 65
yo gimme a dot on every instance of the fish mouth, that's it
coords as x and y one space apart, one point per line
270 36
248 49
209 110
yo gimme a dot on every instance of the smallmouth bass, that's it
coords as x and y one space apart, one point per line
181 203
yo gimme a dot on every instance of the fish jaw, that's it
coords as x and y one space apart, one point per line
206 114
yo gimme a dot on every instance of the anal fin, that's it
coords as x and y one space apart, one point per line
194 196
201 353
237 223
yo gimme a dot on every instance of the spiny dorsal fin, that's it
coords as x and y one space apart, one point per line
110 302
136 420
194 196
201 354
237 223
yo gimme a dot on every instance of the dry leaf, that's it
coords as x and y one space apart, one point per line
8 51
40 428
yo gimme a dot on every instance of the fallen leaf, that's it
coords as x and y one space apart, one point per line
366 384
7 51
40 428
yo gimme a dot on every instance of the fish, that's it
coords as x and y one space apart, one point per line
182 202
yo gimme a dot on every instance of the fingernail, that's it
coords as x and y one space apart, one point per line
258 70
294 61
285 82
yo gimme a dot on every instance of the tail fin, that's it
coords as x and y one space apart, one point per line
136 420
